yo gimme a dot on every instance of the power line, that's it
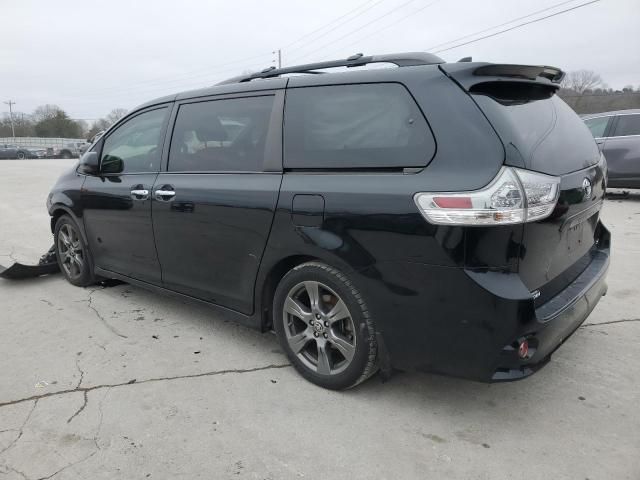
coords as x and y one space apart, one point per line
183 77
171 86
356 30
501 25
517 26
411 14
335 20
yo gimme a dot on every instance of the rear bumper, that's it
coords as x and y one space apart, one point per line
556 320
467 323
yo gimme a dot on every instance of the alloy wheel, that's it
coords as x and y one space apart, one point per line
319 328
70 250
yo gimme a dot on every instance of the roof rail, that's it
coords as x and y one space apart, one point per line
357 60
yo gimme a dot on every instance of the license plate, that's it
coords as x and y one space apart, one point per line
574 236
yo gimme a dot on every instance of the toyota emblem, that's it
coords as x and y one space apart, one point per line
586 187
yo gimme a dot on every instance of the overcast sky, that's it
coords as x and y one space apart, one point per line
90 57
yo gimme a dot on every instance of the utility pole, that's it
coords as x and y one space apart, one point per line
13 130
279 52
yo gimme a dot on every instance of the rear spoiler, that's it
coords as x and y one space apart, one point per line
469 74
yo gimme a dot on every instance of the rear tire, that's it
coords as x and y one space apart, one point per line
74 258
21 156
324 326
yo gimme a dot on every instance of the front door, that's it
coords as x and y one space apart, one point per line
622 151
117 203
213 207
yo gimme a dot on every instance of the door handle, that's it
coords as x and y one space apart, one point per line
140 194
165 193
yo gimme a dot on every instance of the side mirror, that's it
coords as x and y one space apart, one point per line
112 164
90 163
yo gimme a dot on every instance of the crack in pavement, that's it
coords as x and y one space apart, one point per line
611 322
79 370
21 429
82 407
100 317
15 470
137 382
84 404
72 464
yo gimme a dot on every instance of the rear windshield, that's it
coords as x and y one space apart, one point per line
546 133
355 126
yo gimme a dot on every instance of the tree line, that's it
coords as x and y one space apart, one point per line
586 92
52 121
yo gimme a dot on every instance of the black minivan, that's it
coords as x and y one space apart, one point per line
436 216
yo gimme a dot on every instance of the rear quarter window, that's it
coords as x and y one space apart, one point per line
355 127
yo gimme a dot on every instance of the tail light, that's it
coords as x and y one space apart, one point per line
514 196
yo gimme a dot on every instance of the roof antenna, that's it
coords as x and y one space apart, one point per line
354 57
465 59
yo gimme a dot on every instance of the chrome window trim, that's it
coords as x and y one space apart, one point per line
609 115
604 116
622 136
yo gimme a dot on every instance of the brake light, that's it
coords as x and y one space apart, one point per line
514 196
453 202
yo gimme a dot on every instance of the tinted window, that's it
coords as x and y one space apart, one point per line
597 126
221 135
355 126
548 135
136 145
627 125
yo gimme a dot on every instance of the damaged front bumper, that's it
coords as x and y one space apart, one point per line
47 265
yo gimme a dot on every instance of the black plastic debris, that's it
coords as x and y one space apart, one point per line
47 265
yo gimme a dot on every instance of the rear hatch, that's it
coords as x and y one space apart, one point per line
541 133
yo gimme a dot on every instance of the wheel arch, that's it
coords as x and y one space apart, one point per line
270 282
58 210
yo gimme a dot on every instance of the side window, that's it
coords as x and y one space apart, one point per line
627 125
136 145
598 126
221 135
355 126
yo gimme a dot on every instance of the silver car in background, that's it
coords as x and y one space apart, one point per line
618 137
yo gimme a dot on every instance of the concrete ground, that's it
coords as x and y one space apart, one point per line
121 383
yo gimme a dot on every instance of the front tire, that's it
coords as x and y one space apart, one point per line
324 326
74 258
21 156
